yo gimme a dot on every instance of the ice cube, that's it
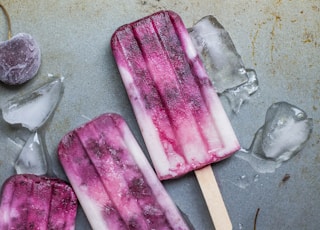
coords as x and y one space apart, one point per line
32 157
34 108
237 96
218 53
285 132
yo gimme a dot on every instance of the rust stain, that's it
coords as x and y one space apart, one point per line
150 7
308 37
285 178
253 43
274 20
276 24
85 7
254 40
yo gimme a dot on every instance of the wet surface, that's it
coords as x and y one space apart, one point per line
279 39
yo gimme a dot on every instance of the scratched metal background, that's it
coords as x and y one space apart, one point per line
278 38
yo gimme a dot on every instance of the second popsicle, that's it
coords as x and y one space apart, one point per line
113 180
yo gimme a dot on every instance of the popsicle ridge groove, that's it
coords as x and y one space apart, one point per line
169 96
170 45
148 100
99 150
86 183
175 105
25 218
190 85
121 180
134 178
102 152
34 202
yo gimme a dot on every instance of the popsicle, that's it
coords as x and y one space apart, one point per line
181 118
37 202
113 180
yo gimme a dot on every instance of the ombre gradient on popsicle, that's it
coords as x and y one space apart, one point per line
114 182
180 116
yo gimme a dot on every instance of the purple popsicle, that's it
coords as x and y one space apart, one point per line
180 116
37 202
113 180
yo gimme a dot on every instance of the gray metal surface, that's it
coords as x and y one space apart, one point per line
278 38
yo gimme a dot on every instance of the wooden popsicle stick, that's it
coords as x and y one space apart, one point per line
213 198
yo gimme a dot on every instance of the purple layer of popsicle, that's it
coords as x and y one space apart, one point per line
34 202
113 180
180 116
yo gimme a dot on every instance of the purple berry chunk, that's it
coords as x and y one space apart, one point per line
20 59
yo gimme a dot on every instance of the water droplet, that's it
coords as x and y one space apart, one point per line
243 182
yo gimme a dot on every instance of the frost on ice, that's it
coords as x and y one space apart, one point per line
285 132
222 61
34 108
32 157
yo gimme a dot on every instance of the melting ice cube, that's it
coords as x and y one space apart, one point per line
237 96
222 62
34 108
32 157
285 132
218 53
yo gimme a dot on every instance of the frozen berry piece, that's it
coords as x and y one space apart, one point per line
20 56
20 59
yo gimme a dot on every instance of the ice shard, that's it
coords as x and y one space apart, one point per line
32 157
33 109
237 96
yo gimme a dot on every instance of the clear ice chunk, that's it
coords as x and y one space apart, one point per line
32 157
33 109
285 132
218 53
237 96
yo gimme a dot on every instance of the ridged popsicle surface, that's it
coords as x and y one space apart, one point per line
113 180
37 202
180 116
